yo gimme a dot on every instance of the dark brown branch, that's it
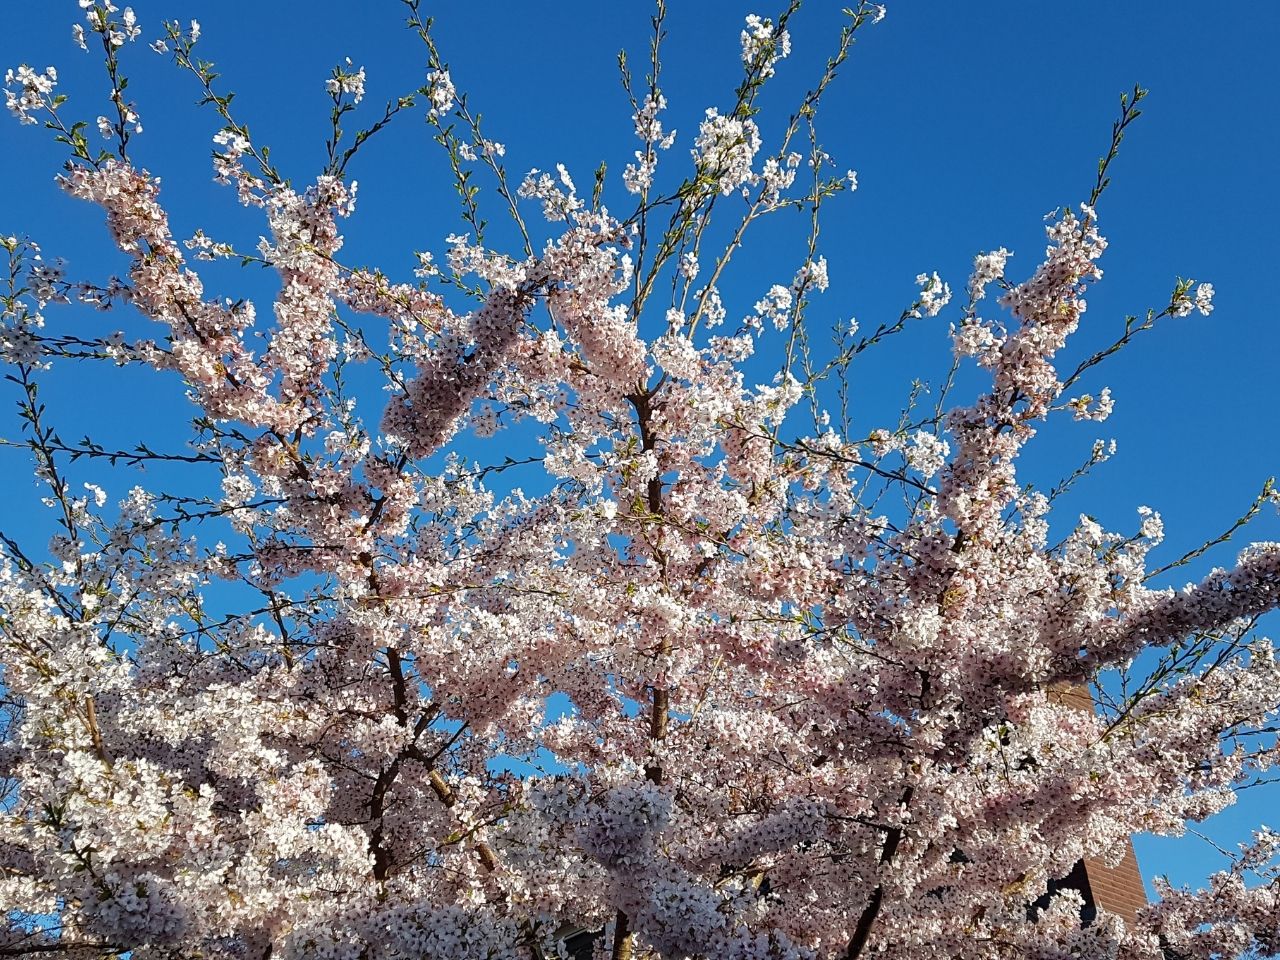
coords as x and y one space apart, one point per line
862 932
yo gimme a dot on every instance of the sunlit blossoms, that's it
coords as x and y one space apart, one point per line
346 81
934 294
1185 300
987 267
442 92
763 45
550 598
27 91
1204 298
638 176
725 148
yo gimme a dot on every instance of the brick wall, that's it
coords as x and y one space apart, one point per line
1117 889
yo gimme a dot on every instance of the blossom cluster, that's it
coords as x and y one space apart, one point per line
693 687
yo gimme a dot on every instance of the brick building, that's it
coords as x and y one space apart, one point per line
1117 889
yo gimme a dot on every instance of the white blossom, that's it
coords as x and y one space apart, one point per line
763 45
441 92
1204 298
934 295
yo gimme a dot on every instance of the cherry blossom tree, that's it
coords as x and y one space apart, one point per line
713 674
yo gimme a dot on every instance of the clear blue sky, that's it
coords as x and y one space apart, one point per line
966 123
